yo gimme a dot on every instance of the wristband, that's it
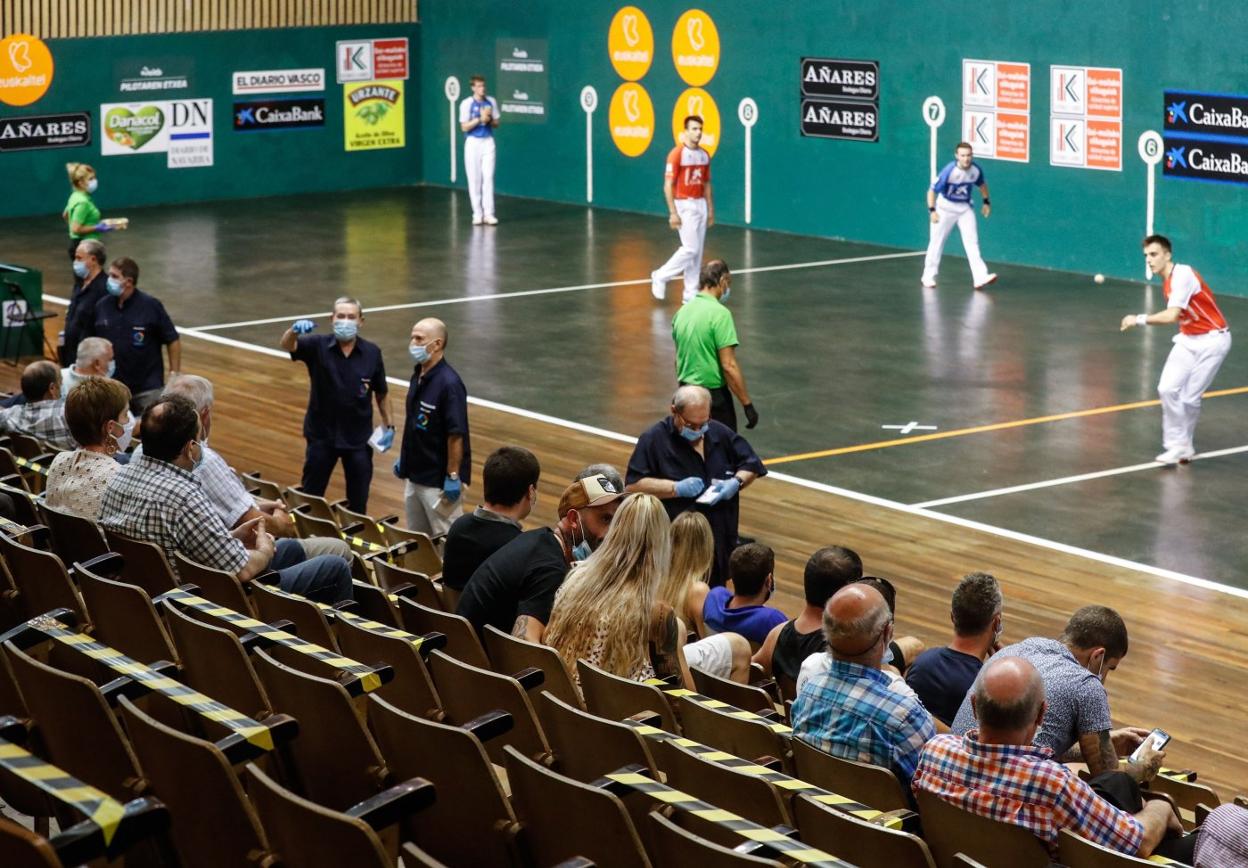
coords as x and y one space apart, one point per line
1141 319
931 208
987 201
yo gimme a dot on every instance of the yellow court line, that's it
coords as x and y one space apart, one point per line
980 429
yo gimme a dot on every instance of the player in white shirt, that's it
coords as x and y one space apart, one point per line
949 203
478 116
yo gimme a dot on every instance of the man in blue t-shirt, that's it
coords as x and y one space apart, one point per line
949 203
942 676
743 610
478 117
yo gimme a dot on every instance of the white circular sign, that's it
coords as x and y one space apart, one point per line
452 88
1151 147
589 98
747 112
934 111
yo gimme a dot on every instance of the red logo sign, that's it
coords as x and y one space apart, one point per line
390 58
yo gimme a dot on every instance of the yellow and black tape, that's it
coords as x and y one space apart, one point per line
350 617
256 734
97 806
364 678
1186 776
27 464
789 848
720 706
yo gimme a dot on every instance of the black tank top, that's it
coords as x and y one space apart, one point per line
792 648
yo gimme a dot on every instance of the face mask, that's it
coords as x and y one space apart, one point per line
114 286
1100 670
420 354
1000 629
581 550
727 292
80 269
93 185
693 435
112 368
888 655
345 329
199 462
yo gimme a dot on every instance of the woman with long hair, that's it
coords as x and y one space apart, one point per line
607 611
683 586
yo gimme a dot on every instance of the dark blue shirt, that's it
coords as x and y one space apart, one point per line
662 453
437 407
81 312
941 677
137 329
340 400
752 622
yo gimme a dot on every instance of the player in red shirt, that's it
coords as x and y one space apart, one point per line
1199 348
687 188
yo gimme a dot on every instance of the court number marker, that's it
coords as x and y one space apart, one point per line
934 116
451 88
1150 146
747 113
589 102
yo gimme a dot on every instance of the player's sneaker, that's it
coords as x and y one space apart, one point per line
990 279
928 283
1178 455
657 287
491 220
476 220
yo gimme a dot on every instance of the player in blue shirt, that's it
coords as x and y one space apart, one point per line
478 116
949 203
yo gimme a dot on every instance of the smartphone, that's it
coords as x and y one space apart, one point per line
1158 739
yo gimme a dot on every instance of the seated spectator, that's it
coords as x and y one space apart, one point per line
607 470
515 587
94 359
744 609
850 710
1074 668
43 414
157 499
1223 838
942 676
510 492
789 644
607 611
97 413
997 771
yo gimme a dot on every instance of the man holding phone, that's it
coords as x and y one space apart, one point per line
478 116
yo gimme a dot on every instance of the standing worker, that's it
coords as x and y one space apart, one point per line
478 116
90 285
690 209
706 347
81 214
346 374
435 458
1199 348
949 203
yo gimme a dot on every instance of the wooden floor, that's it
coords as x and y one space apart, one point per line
1187 670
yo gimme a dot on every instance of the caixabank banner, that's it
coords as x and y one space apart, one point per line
372 113
1206 136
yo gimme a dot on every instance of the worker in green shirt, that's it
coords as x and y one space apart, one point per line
81 214
706 346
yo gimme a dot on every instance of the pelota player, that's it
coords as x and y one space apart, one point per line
690 208
949 203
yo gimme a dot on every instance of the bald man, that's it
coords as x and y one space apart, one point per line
435 458
998 772
850 711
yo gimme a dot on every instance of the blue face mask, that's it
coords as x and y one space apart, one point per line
112 368
420 354
888 655
199 462
93 185
727 292
80 269
345 329
114 286
693 435
581 550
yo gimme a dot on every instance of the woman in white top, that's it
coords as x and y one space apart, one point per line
97 411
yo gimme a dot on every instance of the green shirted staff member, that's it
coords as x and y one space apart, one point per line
706 346
81 213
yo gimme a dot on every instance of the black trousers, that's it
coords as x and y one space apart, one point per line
1121 791
357 467
722 408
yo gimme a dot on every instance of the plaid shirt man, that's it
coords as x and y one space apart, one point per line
1022 785
221 486
42 419
851 712
159 502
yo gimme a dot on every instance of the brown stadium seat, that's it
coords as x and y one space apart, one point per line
374 604
872 785
310 625
312 505
510 655
746 697
369 528
216 586
74 538
867 845
1186 795
748 796
673 847
949 830
616 698
124 617
412 689
41 581
461 640
261 487
586 746
22 848
748 739
421 556
422 588
215 663
308 524
146 565
1077 852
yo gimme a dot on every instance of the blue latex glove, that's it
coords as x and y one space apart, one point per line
398 468
387 439
451 489
302 326
727 489
103 227
690 486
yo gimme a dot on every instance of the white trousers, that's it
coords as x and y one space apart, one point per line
963 216
1190 368
479 166
686 262
428 510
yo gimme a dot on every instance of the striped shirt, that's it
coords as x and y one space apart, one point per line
1023 786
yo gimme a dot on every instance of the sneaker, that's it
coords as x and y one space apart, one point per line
928 283
476 220
657 288
992 278
491 220
1172 457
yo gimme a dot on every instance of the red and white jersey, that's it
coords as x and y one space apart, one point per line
690 169
1186 289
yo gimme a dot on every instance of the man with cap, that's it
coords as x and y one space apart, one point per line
514 589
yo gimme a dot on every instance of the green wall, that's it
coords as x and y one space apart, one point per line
246 164
1074 219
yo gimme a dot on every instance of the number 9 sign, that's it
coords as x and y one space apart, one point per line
747 112
1150 146
934 111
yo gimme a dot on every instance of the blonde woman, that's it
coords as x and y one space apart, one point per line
81 214
607 611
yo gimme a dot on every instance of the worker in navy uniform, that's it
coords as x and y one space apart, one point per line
347 375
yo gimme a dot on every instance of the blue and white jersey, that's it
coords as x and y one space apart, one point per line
955 184
470 109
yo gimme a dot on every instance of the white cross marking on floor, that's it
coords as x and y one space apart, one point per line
911 426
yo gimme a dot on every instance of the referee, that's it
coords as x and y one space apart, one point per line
706 346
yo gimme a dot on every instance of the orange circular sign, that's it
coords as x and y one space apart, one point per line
25 69
695 47
630 42
696 101
632 119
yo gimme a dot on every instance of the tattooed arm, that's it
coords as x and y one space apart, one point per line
528 627
1098 752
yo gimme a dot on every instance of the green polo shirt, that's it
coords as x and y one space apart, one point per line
81 210
700 329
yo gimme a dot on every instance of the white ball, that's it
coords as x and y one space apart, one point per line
1100 278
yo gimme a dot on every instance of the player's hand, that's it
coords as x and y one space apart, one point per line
986 210
935 217
751 415
302 326
1128 321
710 219
673 220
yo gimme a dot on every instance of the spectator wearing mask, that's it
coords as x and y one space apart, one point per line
43 414
744 609
97 413
93 358
90 285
